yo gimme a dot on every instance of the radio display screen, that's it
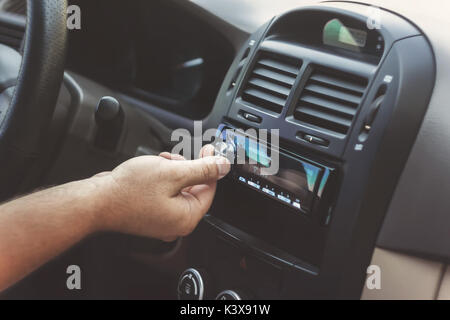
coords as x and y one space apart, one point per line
296 182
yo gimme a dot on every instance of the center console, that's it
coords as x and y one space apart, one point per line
339 89
299 192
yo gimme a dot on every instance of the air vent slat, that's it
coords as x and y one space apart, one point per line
14 6
331 81
331 106
11 36
270 83
14 43
274 76
330 100
273 103
325 116
336 94
16 34
280 66
269 86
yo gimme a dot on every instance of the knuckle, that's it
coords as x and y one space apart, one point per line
206 172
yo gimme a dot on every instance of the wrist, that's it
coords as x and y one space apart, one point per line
103 202
98 200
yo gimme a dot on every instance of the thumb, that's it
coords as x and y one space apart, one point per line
202 171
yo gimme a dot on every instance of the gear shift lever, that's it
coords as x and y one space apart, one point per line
110 119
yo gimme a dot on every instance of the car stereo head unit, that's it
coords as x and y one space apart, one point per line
278 174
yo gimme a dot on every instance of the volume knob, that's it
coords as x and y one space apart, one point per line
226 149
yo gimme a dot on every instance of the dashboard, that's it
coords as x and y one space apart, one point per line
415 222
340 99
358 103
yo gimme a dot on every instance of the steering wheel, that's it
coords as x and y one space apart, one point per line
29 88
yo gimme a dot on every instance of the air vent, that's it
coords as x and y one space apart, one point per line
330 100
12 30
11 35
14 6
271 82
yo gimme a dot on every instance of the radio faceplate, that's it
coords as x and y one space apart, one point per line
290 179
285 209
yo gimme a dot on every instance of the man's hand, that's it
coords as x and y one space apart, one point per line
161 197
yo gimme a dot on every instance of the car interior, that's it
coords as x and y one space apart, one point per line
355 93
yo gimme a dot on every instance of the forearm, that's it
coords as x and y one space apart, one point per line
38 227
147 196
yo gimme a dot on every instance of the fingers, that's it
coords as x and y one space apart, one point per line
202 171
102 174
194 205
206 170
207 151
204 195
185 172
171 156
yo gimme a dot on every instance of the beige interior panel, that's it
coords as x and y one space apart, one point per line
406 277
444 291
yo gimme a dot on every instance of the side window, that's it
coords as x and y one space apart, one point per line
165 56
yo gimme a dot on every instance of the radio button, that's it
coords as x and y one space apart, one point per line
284 199
269 192
251 117
254 185
316 140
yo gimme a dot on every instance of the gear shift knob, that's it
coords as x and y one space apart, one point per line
110 119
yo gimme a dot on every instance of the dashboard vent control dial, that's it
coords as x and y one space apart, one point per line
229 295
191 285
